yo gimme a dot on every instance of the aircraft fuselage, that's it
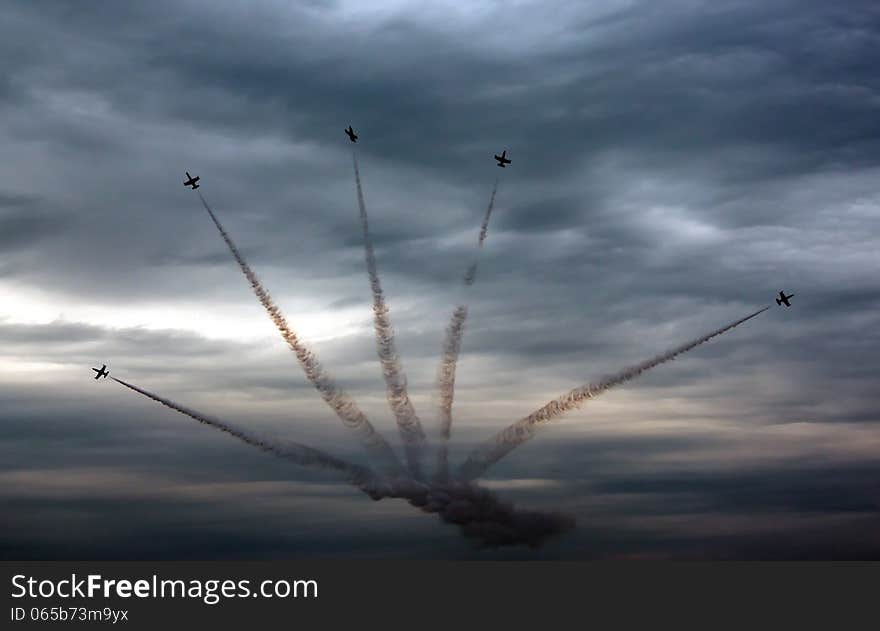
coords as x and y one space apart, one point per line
783 299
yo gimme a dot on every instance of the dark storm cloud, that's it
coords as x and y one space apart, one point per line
808 489
685 64
681 79
687 81
674 164
14 201
24 221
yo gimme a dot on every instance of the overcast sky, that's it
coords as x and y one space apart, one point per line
675 165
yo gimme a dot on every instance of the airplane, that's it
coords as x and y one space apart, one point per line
102 372
351 135
502 159
191 181
783 299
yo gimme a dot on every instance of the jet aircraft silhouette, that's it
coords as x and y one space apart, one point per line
191 181
783 299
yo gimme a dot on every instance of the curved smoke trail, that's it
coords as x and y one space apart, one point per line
476 511
523 430
395 381
351 416
300 454
451 349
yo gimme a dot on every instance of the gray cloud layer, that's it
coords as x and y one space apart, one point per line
675 164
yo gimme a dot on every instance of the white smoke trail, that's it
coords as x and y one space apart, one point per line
445 382
346 409
524 429
302 455
408 423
